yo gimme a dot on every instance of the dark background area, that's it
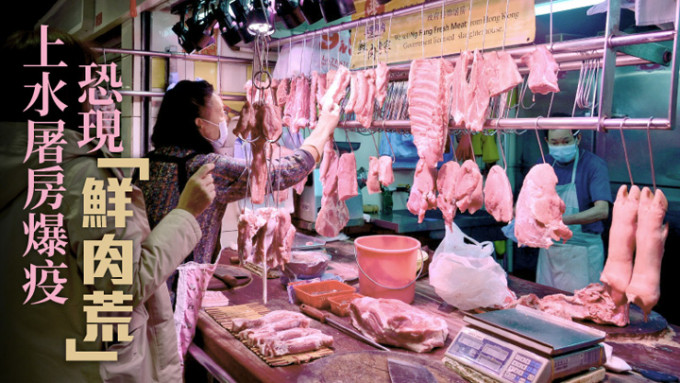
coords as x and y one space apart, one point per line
23 15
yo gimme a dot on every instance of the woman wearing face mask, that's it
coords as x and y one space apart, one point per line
191 129
583 185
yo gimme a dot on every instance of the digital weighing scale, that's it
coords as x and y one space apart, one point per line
525 345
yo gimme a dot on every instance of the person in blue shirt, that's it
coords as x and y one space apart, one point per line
583 185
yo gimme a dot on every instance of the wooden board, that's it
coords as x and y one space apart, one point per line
369 367
225 315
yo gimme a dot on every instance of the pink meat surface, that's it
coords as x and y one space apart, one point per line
333 215
320 89
498 194
446 187
618 270
353 92
650 237
282 92
249 224
385 175
542 71
373 178
348 186
422 196
301 104
312 99
240 324
468 194
313 341
501 72
460 83
365 98
427 110
328 169
272 126
395 323
337 88
538 214
289 109
381 80
476 95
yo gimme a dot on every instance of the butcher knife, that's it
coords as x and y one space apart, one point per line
323 318
403 372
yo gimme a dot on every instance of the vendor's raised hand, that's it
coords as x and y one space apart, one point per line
199 191
329 119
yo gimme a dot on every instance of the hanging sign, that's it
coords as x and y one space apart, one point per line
420 34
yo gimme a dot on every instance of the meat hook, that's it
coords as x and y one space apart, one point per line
540 147
651 156
625 151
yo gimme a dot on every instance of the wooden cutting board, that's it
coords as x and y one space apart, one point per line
369 367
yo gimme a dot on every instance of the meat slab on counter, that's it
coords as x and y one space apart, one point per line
650 237
618 269
348 185
334 214
498 194
385 174
423 195
542 71
428 107
538 214
280 333
395 323
446 188
469 191
591 303
373 177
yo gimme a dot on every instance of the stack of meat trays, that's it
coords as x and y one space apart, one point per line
226 317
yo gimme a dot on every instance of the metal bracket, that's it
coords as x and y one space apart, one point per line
653 52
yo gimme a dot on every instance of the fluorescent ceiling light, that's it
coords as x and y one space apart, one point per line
563 5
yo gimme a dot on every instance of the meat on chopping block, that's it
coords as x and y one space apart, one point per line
385 174
644 289
538 214
284 344
446 187
422 196
339 80
381 80
348 185
373 177
300 320
618 270
542 71
395 323
460 83
501 72
498 194
469 194
476 95
428 108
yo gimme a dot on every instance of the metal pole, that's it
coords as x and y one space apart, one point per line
541 123
192 57
609 60
138 93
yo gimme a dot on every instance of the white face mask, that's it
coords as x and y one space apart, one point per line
224 134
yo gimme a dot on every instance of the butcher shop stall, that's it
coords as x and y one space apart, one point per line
499 200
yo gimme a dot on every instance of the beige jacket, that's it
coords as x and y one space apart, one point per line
33 340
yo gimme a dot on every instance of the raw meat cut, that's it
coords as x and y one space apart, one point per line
272 127
249 224
393 322
330 75
300 186
464 148
337 88
301 104
538 215
253 94
650 237
282 92
385 175
427 108
291 342
498 194
591 303
468 192
373 178
446 187
258 165
333 215
312 99
422 196
348 185
240 324
476 95
365 102
381 80
460 83
246 121
501 72
542 71
353 92
289 109
320 89
265 233
618 269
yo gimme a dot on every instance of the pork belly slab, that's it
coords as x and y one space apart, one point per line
498 194
395 323
542 71
538 214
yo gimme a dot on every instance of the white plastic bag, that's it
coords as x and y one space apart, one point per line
464 273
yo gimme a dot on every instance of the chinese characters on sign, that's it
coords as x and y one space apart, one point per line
105 205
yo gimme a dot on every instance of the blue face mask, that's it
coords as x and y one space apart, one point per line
563 153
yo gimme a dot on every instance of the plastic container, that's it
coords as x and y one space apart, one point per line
317 294
306 264
340 303
387 266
